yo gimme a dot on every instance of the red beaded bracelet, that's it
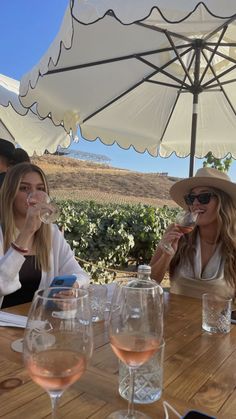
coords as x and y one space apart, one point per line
19 248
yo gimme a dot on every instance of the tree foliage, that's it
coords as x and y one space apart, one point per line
221 164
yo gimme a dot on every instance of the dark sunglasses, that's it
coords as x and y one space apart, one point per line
203 198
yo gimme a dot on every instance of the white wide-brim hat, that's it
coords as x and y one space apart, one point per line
206 176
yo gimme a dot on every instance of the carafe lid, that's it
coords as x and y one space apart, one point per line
144 268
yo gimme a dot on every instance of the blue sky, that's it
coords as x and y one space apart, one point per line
27 29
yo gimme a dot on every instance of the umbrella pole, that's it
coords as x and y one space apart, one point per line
193 133
196 89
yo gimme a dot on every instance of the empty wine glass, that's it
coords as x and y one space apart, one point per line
58 340
135 330
49 211
185 221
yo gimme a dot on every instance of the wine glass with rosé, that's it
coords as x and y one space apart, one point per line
135 330
58 340
185 221
49 211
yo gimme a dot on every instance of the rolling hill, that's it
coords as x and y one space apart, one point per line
70 178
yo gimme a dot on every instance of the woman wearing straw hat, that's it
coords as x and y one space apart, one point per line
205 259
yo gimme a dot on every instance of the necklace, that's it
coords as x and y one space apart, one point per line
212 243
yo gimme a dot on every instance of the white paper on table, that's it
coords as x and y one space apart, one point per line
12 320
6 324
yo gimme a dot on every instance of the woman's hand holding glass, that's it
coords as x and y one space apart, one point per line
48 210
135 329
184 223
58 340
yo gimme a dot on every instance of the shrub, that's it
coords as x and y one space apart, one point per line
110 237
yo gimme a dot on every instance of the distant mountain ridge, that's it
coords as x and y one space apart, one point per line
83 155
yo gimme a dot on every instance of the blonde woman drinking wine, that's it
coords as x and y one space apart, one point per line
31 253
203 260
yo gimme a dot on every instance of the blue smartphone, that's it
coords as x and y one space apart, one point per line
195 414
61 281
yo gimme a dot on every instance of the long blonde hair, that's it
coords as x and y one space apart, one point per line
9 190
226 218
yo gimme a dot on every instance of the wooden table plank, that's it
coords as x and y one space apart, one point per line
218 388
201 368
228 410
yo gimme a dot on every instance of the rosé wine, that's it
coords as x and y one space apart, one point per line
185 229
55 369
134 350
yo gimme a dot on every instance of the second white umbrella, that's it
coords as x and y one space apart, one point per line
23 126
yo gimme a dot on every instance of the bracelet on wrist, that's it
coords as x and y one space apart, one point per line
167 249
19 248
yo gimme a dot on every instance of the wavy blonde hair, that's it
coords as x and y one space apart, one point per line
9 190
226 217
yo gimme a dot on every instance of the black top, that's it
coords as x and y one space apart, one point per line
30 278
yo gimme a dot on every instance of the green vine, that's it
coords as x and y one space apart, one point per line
112 236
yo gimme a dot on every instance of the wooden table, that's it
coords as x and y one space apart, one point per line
199 372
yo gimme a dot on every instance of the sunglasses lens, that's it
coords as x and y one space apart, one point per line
204 198
189 199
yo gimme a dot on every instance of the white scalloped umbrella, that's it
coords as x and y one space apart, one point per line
23 126
148 73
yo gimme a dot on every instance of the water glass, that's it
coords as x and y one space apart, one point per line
98 301
216 313
148 380
49 211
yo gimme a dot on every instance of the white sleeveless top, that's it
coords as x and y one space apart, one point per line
194 282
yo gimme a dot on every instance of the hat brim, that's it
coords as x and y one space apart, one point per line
183 187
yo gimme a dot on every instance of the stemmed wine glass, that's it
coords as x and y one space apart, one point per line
185 221
49 211
135 330
58 340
